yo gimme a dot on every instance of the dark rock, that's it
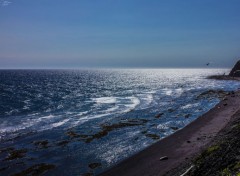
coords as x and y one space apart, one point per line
163 158
4 168
174 128
170 110
16 154
212 94
108 128
94 165
220 77
159 115
162 130
20 163
6 150
153 136
188 141
41 144
87 174
37 169
62 143
72 134
235 72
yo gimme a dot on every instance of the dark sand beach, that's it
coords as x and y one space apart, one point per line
175 154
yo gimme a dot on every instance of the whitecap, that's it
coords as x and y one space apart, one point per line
27 104
26 107
105 100
162 127
112 109
146 100
59 106
12 111
178 92
190 106
82 113
31 123
57 124
95 116
9 128
169 92
134 103
151 92
47 117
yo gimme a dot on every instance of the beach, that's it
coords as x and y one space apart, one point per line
175 153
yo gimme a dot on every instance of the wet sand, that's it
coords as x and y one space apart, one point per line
181 146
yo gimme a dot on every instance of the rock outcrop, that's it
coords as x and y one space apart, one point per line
235 72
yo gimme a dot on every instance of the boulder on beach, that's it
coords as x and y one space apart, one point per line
235 72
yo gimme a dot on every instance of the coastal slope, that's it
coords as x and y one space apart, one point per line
182 146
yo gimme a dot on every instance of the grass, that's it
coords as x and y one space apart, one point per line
209 151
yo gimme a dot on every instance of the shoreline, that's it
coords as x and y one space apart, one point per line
182 146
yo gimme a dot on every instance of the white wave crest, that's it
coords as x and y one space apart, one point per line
105 100
134 102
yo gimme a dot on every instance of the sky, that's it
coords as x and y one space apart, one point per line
119 33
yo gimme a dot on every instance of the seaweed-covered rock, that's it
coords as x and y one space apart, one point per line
41 144
153 136
209 94
235 72
16 154
106 128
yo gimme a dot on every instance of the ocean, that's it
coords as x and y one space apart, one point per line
77 122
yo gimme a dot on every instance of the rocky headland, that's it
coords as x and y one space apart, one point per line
233 75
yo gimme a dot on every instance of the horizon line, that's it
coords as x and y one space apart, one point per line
78 68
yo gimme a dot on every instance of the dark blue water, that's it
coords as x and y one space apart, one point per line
84 121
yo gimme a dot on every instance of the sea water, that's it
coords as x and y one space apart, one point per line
85 121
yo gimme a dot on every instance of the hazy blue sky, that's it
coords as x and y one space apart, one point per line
119 33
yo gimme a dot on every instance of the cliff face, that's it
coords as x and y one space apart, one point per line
236 70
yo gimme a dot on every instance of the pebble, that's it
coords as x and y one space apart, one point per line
163 158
